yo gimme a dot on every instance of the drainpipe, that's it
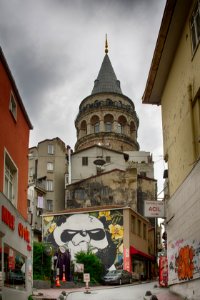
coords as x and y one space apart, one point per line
192 120
69 166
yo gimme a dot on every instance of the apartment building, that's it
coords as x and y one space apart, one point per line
47 170
174 83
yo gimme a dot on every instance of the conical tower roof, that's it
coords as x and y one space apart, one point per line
106 80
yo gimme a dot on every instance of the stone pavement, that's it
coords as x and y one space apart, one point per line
161 294
54 293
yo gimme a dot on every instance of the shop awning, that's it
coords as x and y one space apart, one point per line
134 251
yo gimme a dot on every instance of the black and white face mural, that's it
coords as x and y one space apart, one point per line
80 232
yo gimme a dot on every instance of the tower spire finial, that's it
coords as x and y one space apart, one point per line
106 45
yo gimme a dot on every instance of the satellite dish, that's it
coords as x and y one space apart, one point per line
99 161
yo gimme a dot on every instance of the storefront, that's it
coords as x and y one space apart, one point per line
142 264
15 253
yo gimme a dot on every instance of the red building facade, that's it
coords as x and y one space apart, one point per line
14 139
15 231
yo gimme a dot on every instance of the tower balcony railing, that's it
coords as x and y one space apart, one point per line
109 104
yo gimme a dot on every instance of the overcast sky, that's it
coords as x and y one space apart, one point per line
55 48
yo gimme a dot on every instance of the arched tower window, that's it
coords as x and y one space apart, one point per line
83 128
121 124
108 122
95 124
132 129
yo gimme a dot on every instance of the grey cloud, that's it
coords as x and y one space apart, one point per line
55 49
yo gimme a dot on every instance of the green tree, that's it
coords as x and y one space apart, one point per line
41 262
92 265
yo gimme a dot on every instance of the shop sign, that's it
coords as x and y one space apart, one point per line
9 219
86 277
23 232
11 260
127 260
154 209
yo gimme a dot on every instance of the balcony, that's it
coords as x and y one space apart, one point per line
40 185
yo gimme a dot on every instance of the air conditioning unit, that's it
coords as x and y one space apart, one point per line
30 209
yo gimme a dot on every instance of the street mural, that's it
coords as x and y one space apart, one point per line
101 232
163 271
183 260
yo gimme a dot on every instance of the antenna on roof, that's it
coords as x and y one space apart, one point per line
106 45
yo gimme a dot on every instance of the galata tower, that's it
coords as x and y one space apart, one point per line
107 117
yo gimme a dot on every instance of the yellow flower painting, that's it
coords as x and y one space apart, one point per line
117 231
105 214
52 227
48 219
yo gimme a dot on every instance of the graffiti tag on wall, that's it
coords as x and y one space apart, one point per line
184 260
101 232
163 271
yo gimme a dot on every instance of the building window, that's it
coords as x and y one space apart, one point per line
85 161
79 194
132 129
196 125
10 179
40 201
108 127
104 191
143 174
96 128
66 179
121 124
119 128
139 227
49 205
30 193
108 121
144 231
14 268
31 172
133 224
195 26
49 185
28 203
67 197
50 166
13 107
108 160
95 124
50 149
83 128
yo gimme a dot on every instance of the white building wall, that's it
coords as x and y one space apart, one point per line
141 160
183 214
117 161
80 172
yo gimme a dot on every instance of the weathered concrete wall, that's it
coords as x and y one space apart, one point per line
146 190
115 187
